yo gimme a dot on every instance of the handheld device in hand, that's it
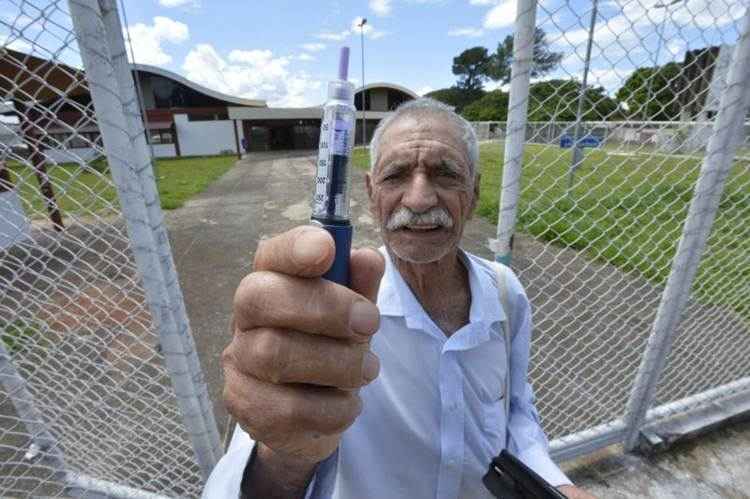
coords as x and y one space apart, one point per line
509 478
333 175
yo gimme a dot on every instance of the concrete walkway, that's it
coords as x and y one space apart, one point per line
214 237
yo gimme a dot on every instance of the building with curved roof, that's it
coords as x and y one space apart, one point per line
182 118
274 128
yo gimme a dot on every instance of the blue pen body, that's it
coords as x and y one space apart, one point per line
339 271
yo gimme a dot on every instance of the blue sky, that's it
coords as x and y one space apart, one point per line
406 42
284 51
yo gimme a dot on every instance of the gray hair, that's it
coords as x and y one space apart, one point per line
422 108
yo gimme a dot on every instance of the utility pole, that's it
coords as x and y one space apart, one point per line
364 122
659 43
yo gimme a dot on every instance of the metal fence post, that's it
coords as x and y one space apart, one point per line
717 163
523 55
125 78
124 164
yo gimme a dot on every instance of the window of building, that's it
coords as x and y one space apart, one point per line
161 136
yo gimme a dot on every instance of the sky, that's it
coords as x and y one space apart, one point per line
284 51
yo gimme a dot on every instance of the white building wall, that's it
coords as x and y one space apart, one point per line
14 226
199 138
164 150
74 155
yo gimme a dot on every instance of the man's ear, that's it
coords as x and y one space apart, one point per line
368 185
475 200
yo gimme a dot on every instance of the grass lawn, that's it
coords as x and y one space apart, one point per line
628 211
91 190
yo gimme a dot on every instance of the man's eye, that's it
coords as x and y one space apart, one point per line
448 174
392 176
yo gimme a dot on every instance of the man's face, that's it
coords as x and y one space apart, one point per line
421 190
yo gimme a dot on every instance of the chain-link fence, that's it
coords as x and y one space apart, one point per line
626 181
100 388
619 164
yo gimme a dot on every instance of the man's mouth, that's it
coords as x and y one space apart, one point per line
422 228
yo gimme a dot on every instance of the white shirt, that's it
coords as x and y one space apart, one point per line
434 418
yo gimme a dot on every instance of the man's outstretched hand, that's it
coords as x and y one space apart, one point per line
299 352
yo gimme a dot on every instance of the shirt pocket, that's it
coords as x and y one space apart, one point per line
494 424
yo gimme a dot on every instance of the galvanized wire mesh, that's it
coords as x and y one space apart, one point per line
713 346
608 173
84 391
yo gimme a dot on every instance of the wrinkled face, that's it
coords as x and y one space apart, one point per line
421 190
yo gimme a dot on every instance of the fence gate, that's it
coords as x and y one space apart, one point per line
612 205
100 386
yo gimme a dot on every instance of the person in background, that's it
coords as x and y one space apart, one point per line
394 388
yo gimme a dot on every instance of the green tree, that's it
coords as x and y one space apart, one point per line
557 100
457 97
492 107
471 67
652 93
545 60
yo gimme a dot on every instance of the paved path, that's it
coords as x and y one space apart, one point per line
579 305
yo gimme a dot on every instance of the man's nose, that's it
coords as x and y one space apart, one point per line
420 194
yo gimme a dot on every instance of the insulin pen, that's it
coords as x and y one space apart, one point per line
331 200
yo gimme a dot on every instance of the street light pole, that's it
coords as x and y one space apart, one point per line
659 43
364 122
577 152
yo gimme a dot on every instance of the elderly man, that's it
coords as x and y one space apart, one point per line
394 388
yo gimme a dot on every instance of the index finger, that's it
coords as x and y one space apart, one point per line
305 251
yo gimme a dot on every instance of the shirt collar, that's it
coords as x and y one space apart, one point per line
395 298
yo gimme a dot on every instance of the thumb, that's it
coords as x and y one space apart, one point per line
366 267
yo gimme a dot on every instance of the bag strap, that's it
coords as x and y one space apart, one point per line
502 289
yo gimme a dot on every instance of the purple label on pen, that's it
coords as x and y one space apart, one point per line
340 138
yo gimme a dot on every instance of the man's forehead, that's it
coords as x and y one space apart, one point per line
432 137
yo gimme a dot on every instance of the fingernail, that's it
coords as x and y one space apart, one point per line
370 367
309 247
364 318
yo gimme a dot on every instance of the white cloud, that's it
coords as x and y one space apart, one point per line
254 57
306 57
468 32
313 47
12 43
334 37
425 90
609 78
501 15
381 7
251 74
634 26
147 39
179 3
368 29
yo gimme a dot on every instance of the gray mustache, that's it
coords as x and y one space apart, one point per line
404 216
